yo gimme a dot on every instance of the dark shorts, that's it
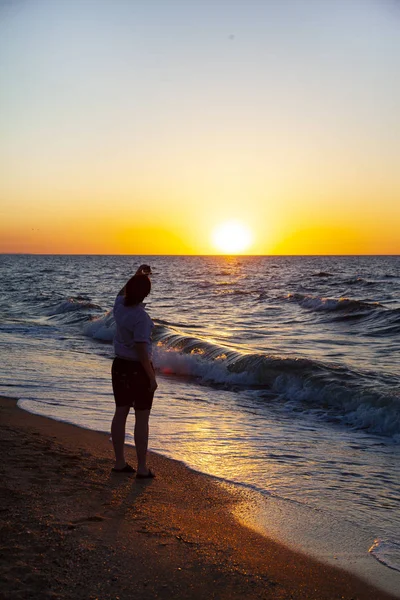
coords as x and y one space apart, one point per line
131 384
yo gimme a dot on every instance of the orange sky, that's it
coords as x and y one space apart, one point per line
156 125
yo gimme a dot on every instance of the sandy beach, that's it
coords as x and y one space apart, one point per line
71 529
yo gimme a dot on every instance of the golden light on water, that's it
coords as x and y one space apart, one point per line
232 237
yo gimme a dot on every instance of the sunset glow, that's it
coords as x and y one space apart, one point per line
161 120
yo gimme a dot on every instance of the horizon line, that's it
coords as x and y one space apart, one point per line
180 255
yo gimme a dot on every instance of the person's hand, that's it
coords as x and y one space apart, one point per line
143 270
153 385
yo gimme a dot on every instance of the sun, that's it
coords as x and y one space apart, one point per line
232 237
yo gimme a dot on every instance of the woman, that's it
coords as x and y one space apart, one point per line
133 376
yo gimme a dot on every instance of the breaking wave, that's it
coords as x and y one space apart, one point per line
328 391
74 304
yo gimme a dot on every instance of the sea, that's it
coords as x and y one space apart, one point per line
277 374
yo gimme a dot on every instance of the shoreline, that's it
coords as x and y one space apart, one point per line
70 527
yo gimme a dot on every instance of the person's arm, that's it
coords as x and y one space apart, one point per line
142 270
143 356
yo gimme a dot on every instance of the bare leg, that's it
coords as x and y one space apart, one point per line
118 434
142 439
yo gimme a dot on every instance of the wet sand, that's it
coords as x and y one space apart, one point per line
73 530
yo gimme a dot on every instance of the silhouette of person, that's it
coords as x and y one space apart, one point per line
133 376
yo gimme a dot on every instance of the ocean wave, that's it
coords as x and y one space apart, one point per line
375 323
216 364
73 304
359 281
386 552
328 391
385 323
236 292
47 270
72 311
317 303
101 328
163 322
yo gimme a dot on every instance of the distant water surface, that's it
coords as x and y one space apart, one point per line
280 373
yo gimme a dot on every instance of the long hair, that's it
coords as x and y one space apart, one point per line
136 290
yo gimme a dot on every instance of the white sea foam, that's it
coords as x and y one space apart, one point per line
101 328
386 552
170 361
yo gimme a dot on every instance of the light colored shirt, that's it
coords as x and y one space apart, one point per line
133 324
